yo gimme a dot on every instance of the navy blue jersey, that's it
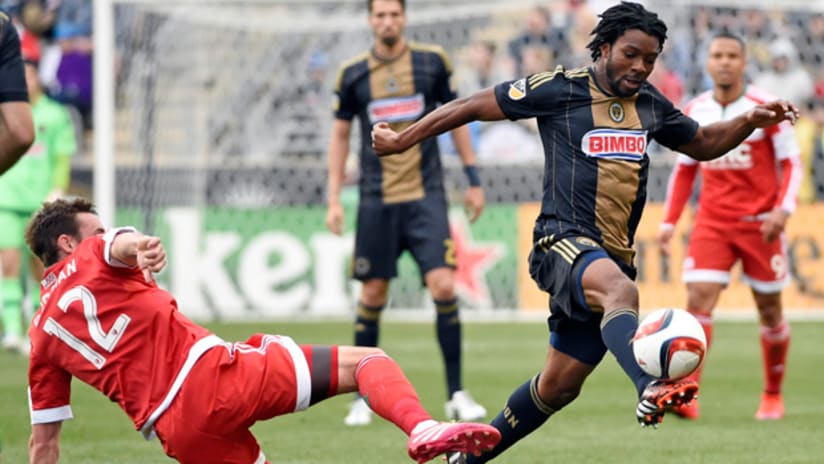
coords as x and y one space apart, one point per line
398 91
595 171
12 77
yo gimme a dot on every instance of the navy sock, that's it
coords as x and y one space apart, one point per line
617 329
524 412
366 325
449 338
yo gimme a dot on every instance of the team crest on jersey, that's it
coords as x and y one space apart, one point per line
615 144
517 90
616 112
396 109
392 85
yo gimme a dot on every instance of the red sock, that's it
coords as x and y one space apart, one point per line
386 389
775 342
705 319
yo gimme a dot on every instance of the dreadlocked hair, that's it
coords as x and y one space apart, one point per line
616 20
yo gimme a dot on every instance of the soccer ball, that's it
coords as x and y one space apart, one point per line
669 344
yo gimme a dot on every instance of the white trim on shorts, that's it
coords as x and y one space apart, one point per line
706 275
770 286
195 352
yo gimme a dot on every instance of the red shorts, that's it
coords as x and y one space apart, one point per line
232 386
714 247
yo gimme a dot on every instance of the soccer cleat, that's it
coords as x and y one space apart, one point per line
463 408
456 437
687 411
359 413
660 395
771 408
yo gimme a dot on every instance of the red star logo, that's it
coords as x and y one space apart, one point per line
474 259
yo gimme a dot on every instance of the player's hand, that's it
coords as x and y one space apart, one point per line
772 227
384 139
334 218
771 113
151 257
664 237
474 203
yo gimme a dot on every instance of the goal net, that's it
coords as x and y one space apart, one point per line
211 127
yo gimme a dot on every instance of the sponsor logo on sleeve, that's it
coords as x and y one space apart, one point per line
396 109
615 144
517 90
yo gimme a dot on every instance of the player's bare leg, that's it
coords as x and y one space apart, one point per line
775 342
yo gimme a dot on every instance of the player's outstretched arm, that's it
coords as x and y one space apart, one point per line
16 132
481 106
44 444
144 251
714 140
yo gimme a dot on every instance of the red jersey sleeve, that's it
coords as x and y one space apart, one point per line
679 189
49 391
788 155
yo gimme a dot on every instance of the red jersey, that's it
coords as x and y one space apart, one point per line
749 181
101 322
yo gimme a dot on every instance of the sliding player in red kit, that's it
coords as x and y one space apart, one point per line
745 200
106 322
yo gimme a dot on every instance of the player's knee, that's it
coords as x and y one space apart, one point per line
621 293
557 395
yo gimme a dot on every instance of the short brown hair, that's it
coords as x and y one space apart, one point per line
53 220
369 4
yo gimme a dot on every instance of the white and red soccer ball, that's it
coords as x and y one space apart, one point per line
669 344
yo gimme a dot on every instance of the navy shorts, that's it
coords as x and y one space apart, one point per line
384 231
557 266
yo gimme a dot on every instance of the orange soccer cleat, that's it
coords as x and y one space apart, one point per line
661 395
771 408
687 411
443 437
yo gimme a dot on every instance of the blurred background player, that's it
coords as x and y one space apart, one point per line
594 191
745 199
43 172
104 279
16 126
403 205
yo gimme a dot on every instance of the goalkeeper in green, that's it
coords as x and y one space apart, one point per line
43 172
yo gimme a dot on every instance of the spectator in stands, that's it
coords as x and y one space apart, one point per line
538 33
481 70
811 41
786 78
73 32
576 18
667 82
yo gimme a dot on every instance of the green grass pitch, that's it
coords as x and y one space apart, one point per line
599 427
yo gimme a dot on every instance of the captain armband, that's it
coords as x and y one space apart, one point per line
472 175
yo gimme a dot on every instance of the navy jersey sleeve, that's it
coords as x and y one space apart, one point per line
344 106
444 91
533 96
12 77
678 129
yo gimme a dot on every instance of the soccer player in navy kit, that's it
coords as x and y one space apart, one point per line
595 124
403 205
